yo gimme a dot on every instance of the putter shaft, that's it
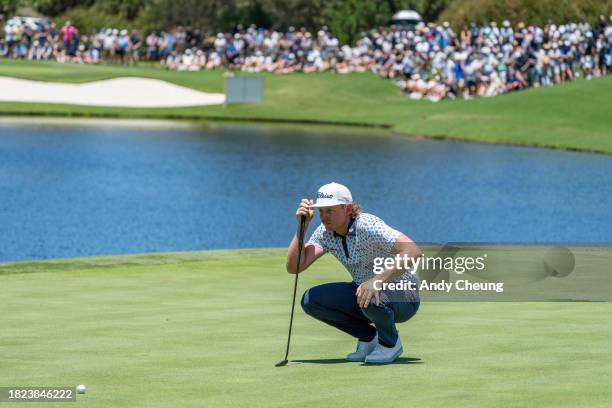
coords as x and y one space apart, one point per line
300 245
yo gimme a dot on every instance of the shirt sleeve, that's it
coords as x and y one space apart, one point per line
384 236
316 238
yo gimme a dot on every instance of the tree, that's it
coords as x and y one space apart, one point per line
311 14
52 8
207 14
351 17
461 12
9 7
126 8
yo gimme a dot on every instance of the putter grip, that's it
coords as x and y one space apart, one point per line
301 232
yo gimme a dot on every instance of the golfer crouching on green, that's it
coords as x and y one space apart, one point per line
356 238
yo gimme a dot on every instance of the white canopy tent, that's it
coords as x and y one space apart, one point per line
406 17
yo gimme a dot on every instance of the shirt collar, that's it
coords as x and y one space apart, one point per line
351 229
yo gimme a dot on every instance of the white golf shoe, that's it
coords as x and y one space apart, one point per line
385 355
363 349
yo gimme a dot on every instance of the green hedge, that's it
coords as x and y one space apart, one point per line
461 12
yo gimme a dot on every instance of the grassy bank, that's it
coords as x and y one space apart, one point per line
569 116
205 329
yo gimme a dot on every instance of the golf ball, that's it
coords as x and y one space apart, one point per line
81 389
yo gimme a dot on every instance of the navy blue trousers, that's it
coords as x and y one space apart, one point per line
336 304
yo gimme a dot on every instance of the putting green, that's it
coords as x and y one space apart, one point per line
205 330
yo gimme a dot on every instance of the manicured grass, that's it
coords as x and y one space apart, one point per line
569 116
204 329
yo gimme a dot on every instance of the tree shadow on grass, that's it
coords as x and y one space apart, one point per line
400 360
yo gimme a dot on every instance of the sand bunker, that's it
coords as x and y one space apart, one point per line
126 92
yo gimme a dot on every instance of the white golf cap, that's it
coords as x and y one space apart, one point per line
332 194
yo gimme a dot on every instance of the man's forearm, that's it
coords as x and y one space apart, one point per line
292 251
292 254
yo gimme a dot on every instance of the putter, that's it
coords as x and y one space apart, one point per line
300 245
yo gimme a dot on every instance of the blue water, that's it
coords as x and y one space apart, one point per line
77 190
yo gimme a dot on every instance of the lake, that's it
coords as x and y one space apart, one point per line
80 188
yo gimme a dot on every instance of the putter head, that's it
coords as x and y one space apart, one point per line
281 363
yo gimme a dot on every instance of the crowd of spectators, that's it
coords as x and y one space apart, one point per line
427 60
29 41
435 62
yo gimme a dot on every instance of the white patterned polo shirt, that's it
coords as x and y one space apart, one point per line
368 237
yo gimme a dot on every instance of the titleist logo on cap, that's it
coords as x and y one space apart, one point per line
332 194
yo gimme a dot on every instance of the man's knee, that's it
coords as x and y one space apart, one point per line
306 302
314 301
330 296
